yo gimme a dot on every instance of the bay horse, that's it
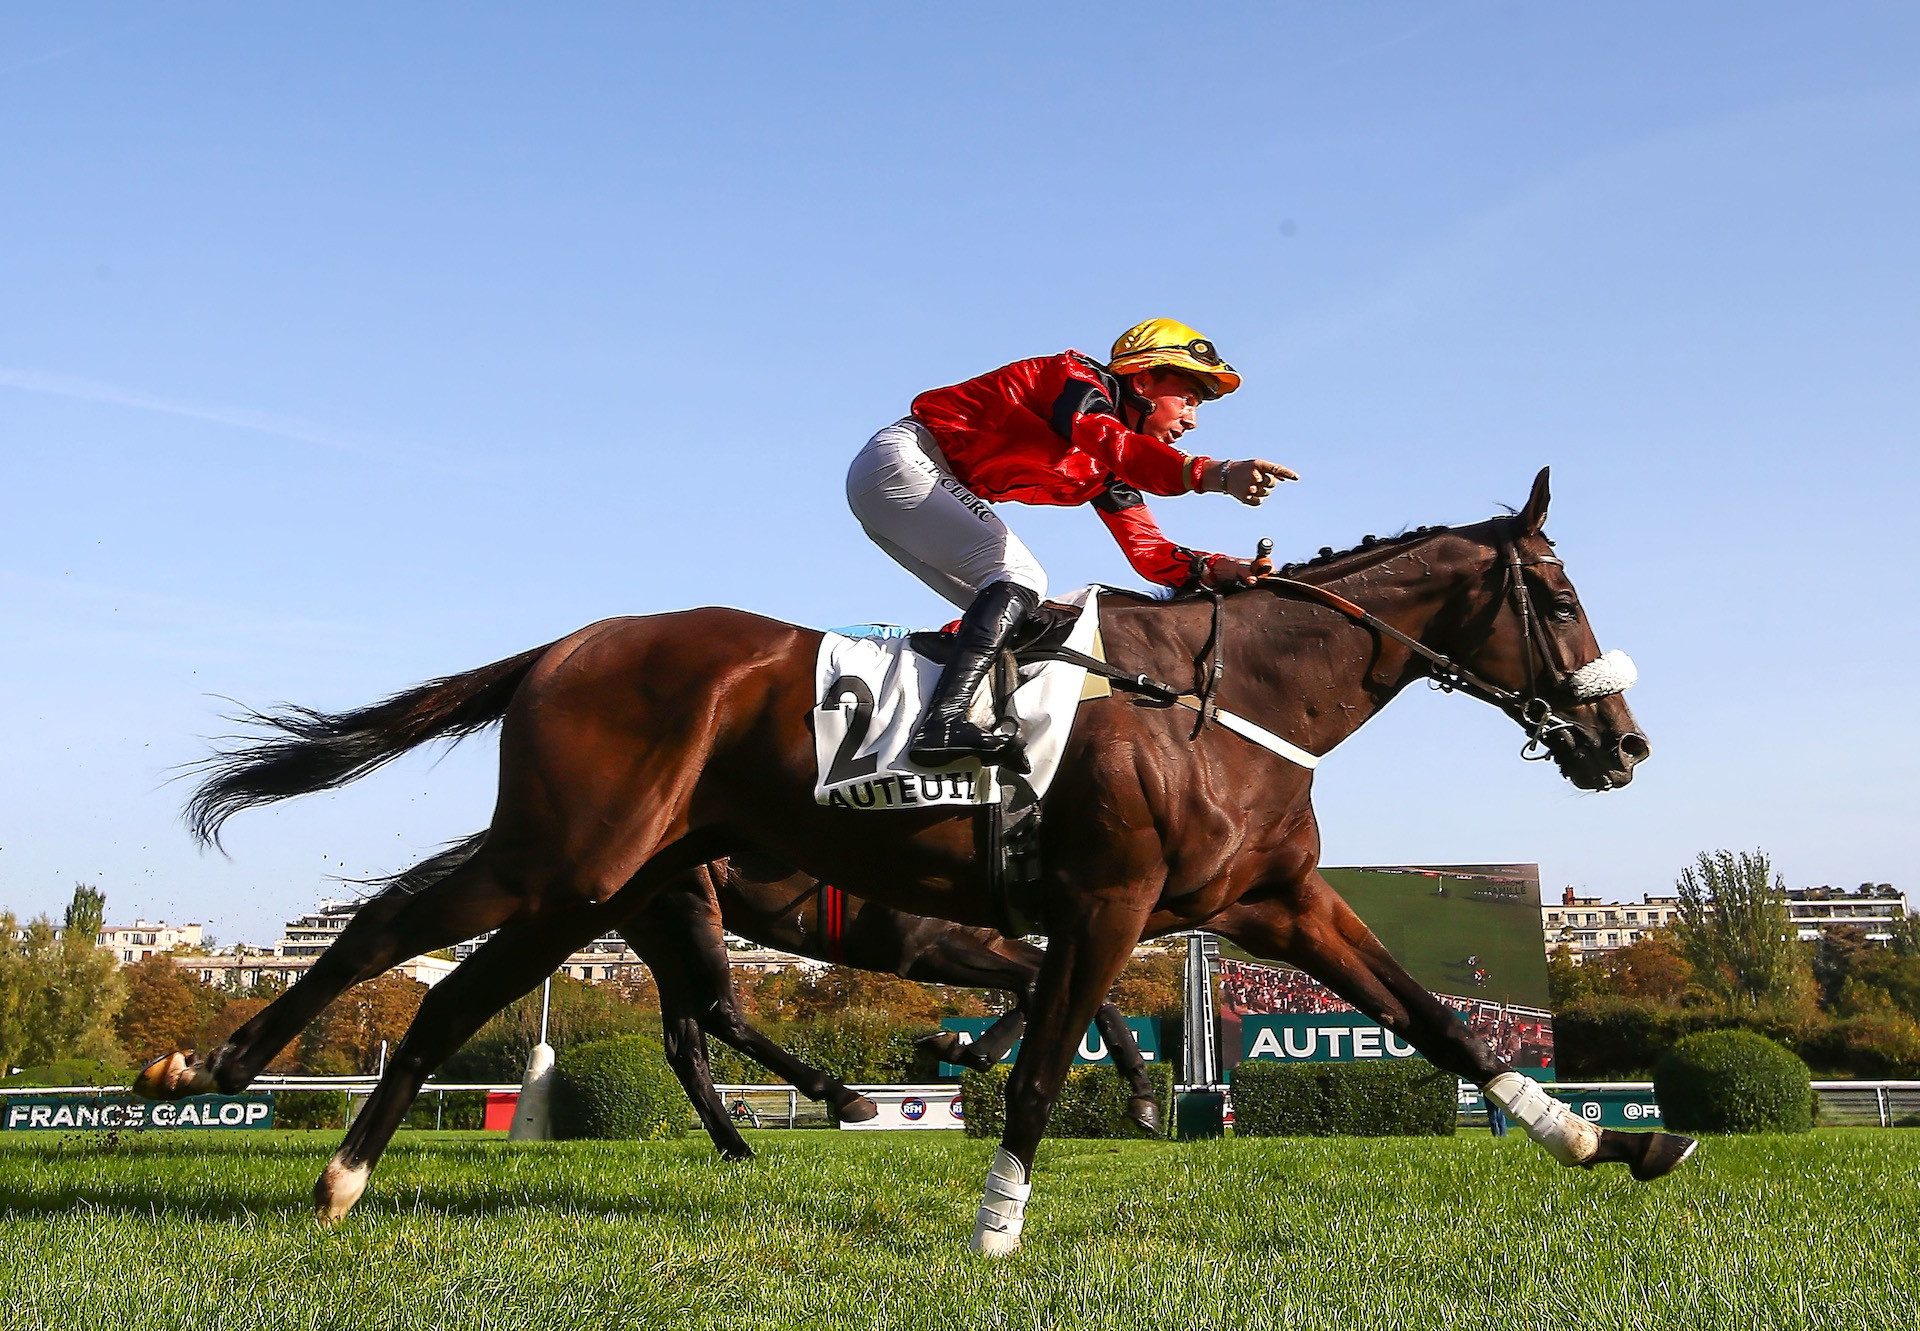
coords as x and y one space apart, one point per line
680 935
637 748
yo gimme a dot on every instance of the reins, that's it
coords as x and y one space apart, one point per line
1531 710
1210 666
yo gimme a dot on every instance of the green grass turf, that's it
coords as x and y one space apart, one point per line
869 1230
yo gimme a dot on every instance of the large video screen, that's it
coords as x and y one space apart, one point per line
1470 933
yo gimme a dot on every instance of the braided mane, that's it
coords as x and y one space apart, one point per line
1326 557
1329 555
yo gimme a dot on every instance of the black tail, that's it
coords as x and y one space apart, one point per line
319 751
430 870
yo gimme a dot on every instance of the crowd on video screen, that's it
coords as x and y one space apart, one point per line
1522 1036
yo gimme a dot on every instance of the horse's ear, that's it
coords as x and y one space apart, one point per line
1534 516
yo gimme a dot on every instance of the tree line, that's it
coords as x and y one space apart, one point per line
66 1008
1848 1005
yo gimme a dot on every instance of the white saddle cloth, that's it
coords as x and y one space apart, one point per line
873 691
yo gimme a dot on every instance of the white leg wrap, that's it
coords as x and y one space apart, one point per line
1003 1207
1568 1138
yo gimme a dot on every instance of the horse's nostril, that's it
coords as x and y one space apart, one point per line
1633 748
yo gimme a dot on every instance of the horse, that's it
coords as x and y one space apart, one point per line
680 934
636 748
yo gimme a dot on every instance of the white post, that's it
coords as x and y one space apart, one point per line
1201 1061
531 1122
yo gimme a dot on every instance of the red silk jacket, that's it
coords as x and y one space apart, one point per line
1046 431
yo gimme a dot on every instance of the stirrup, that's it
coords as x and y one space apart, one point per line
962 740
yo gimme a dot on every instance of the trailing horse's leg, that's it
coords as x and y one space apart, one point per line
992 1044
986 1048
969 958
506 966
669 938
1318 932
1081 965
686 1049
728 1026
387 930
981 959
686 931
680 938
1131 1064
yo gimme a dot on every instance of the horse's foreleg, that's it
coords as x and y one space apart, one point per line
985 1049
387 930
1320 933
964 957
974 959
1079 968
510 964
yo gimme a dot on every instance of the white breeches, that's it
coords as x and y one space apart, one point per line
917 511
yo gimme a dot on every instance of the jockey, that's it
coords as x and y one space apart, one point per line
1059 429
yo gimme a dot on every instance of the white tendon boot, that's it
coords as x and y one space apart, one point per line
1568 1138
1003 1207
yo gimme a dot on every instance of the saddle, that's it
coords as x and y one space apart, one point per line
862 713
1008 835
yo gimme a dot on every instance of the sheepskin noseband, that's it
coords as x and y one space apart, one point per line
1610 673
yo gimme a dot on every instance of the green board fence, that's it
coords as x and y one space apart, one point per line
68 1113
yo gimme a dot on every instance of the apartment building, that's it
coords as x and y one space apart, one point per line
145 938
1587 925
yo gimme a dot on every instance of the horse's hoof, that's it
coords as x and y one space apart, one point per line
170 1077
857 1110
338 1188
1143 1111
735 1155
1662 1154
995 1242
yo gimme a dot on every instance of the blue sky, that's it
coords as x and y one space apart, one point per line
344 346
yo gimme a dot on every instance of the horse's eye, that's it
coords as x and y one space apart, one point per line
1566 611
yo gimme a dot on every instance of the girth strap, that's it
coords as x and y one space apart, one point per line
1201 703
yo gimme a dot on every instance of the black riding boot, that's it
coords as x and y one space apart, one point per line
945 734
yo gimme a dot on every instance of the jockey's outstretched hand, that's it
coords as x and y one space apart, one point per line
1253 479
1226 571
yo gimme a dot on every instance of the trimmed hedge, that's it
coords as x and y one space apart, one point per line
1733 1081
617 1090
462 1111
1620 1039
1402 1098
310 1109
72 1072
857 1045
1093 1103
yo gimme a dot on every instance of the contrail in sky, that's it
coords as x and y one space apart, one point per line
240 418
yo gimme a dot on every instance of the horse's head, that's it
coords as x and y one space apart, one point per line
1540 649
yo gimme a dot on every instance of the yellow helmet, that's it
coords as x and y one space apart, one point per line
1171 344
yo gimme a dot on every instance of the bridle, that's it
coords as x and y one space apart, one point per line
1532 709
1535 713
